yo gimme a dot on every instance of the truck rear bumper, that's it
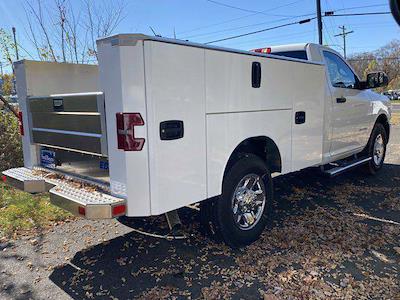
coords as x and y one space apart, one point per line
80 197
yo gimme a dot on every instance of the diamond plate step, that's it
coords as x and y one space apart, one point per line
76 195
25 180
87 202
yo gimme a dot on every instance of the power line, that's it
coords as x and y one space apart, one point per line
236 28
332 14
327 14
332 23
234 7
358 7
269 10
327 33
274 38
240 8
239 18
262 30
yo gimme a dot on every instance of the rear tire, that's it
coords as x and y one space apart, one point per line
240 214
376 149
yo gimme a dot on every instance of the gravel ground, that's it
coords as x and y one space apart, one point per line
331 238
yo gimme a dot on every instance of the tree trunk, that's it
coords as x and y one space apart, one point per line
9 106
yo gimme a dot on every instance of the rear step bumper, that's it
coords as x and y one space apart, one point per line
91 201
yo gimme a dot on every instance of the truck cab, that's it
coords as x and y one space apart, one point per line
351 110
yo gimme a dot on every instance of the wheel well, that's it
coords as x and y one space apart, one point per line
382 119
263 147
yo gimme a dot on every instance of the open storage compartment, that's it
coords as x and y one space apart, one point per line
70 132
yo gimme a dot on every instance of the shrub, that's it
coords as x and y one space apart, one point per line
10 142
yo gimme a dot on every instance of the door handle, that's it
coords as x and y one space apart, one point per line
300 117
171 130
341 100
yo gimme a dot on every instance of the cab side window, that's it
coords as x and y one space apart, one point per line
340 74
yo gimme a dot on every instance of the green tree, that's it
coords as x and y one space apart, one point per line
7 86
6 47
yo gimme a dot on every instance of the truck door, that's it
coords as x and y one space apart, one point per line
350 106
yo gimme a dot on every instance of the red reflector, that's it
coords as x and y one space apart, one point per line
81 210
118 210
21 123
126 131
4 178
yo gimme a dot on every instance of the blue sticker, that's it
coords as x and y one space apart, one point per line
48 158
104 165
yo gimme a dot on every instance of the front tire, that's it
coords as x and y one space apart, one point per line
240 214
376 149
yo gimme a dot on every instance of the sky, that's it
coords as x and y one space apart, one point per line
208 20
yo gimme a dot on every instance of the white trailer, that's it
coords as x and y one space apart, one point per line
161 124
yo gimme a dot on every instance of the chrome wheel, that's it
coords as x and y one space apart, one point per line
379 150
248 201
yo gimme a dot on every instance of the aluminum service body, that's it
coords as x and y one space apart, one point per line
210 90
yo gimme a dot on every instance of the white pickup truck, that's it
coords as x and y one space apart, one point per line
161 124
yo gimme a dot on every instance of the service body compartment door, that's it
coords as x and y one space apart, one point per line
308 84
175 90
75 122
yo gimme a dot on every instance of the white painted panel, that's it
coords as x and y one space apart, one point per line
176 91
229 86
309 96
30 151
60 78
226 131
122 80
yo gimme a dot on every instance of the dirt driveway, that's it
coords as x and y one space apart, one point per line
331 238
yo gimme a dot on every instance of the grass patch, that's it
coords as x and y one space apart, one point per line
395 101
23 213
395 120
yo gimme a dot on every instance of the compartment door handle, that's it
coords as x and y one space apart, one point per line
256 74
171 130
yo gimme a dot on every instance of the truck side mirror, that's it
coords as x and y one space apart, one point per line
376 79
395 7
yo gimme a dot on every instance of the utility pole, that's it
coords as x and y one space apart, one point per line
15 43
319 17
343 35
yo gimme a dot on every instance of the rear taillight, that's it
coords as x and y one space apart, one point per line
126 131
21 123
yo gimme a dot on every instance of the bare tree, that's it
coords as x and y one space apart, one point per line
99 24
37 12
60 31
